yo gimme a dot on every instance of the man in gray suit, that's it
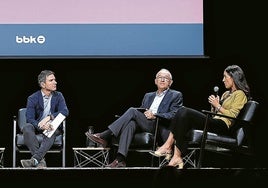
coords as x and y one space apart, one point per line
162 103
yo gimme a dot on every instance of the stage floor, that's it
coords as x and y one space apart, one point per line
133 176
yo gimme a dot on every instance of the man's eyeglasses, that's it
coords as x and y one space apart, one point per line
163 78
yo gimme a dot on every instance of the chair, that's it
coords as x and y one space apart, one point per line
19 121
239 143
143 142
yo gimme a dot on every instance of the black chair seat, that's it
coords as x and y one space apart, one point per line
143 140
195 137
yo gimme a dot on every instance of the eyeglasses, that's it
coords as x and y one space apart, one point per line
162 78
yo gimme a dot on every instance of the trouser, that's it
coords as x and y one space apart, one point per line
127 125
38 150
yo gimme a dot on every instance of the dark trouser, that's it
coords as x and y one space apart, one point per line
38 150
187 119
127 125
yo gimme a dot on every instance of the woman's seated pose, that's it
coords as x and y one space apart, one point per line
230 104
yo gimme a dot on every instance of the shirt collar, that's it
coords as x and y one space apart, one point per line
162 93
45 96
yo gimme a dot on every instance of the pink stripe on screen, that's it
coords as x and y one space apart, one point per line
101 11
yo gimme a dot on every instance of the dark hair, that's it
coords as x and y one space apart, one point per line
239 78
43 75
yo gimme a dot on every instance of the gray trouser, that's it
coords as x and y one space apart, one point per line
37 149
127 125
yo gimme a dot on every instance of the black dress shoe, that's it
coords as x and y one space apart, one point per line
97 139
117 164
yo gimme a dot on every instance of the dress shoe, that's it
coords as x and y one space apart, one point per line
42 164
28 163
166 154
117 164
177 164
97 139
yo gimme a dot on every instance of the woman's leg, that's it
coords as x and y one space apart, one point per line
176 160
185 120
167 146
166 149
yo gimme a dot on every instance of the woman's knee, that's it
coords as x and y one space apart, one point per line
182 112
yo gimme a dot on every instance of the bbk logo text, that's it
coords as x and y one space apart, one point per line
30 39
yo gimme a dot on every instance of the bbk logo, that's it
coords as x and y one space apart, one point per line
30 39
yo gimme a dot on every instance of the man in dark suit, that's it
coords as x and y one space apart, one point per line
42 107
162 103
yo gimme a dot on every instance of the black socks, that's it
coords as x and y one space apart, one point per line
120 157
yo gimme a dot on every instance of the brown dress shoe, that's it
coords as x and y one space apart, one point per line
116 164
97 139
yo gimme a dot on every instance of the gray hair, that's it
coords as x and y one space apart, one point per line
43 75
166 71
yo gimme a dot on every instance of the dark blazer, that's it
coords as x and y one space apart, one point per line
35 107
168 107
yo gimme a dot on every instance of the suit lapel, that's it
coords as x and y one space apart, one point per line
40 99
164 101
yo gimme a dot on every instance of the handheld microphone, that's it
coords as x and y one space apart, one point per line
216 90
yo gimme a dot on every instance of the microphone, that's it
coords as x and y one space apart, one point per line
216 90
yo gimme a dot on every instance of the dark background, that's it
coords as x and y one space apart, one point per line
96 89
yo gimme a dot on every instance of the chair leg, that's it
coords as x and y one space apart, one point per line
155 141
203 143
152 161
14 143
190 158
63 158
14 159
